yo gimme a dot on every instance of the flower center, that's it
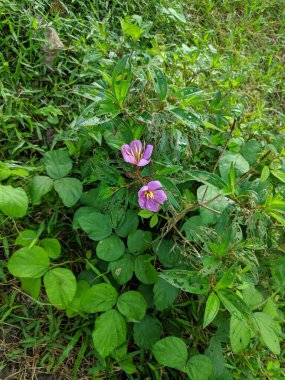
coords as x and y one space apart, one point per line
149 194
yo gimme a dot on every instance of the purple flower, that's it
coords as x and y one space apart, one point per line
151 196
136 153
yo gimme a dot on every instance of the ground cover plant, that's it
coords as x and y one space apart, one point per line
142 193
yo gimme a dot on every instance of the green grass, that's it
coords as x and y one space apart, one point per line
232 50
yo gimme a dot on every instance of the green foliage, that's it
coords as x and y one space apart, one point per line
194 290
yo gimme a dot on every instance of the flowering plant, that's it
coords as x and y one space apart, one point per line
150 196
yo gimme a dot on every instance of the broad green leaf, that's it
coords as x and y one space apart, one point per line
123 269
40 185
164 294
171 352
240 164
250 151
139 241
60 285
266 327
31 286
110 249
109 332
239 334
212 308
97 226
29 262
57 163
199 367
168 252
132 305
144 270
100 297
69 190
147 332
74 307
52 247
13 201
218 204
26 237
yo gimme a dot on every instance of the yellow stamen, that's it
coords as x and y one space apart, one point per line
149 194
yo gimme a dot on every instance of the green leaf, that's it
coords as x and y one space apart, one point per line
132 30
121 79
144 270
31 286
187 117
29 262
199 367
40 185
250 151
132 305
160 83
186 280
205 194
234 304
266 327
69 190
52 247
206 178
60 285
279 174
123 269
168 252
239 334
109 332
110 249
100 297
171 352
13 201
128 225
74 307
240 164
147 332
57 163
153 221
164 294
212 308
97 226
227 278
139 241
26 237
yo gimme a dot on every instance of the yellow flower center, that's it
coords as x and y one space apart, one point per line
149 194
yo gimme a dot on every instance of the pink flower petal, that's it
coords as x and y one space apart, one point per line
160 196
126 152
147 152
152 205
154 185
143 162
136 146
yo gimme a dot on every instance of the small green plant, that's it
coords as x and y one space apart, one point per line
142 200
